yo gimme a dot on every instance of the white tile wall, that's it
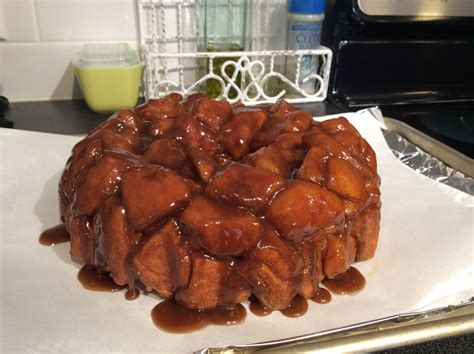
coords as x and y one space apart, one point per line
38 71
66 20
19 20
3 28
44 35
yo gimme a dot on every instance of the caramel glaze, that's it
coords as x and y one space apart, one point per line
93 279
350 282
172 317
322 296
258 309
54 235
122 140
297 307
132 294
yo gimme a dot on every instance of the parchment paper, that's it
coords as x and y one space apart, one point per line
424 260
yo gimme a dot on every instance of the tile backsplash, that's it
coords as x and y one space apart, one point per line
42 37
92 20
19 20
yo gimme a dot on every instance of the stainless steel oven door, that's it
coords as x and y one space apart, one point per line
415 9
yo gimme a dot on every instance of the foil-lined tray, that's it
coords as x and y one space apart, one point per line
443 164
29 206
384 333
429 156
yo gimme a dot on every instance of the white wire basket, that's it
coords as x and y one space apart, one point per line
169 34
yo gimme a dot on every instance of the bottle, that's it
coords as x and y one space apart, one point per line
305 18
268 28
223 29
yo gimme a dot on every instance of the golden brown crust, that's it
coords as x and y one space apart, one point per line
209 202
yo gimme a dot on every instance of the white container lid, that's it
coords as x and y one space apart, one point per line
106 55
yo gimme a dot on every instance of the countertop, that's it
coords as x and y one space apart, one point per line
57 117
73 118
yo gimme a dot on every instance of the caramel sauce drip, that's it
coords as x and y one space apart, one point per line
350 282
172 317
93 279
322 296
132 294
297 307
54 235
259 309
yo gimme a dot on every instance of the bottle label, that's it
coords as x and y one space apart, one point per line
305 36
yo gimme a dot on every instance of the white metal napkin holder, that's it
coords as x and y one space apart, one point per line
169 49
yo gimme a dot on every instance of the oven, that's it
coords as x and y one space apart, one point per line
412 58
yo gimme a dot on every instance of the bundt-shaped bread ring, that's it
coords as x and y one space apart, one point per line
207 202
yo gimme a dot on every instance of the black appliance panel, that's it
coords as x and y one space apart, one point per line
399 72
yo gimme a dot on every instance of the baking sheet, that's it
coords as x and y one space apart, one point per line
374 335
422 162
424 260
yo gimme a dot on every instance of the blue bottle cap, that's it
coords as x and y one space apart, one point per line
308 7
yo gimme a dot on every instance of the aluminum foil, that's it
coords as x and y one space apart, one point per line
422 162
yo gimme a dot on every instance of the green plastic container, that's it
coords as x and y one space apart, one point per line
109 76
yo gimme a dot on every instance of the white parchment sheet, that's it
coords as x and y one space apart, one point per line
424 259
